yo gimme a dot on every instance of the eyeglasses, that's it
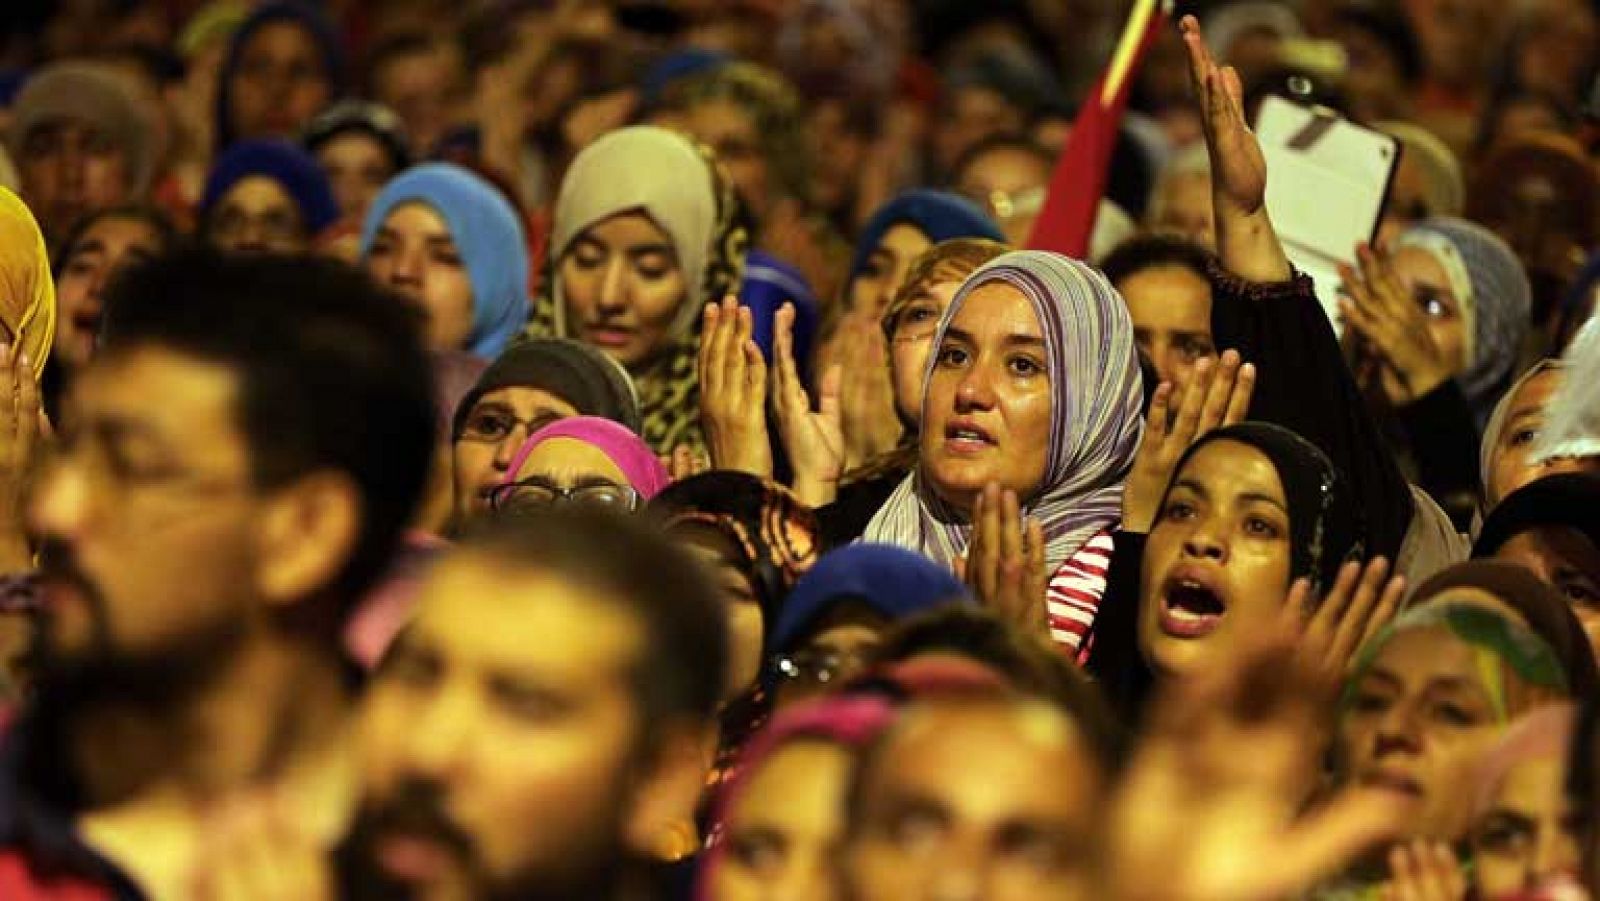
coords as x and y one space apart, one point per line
535 493
821 666
493 425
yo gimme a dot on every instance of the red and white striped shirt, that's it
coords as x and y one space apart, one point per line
1074 594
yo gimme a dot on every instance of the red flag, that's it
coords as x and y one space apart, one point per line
1067 219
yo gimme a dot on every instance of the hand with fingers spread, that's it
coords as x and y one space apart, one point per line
733 390
1004 565
21 422
1217 394
1381 312
871 425
1424 871
813 440
1211 808
1246 242
1361 602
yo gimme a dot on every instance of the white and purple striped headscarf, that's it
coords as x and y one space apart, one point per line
1096 398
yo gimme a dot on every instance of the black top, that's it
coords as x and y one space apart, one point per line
845 520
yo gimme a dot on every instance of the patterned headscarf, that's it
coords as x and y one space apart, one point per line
1516 668
27 292
676 183
774 533
1488 280
1096 399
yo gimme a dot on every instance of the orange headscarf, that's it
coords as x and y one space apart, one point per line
27 291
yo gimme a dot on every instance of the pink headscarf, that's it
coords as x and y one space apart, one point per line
635 458
848 720
1543 732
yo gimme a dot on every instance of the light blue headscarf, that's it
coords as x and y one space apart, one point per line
488 235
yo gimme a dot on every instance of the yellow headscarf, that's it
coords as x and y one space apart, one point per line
27 291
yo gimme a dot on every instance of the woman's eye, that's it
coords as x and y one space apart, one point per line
919 314
1257 527
1193 350
1580 593
447 258
1026 366
653 266
587 257
80 266
952 356
760 853
1177 511
1523 436
1455 715
489 425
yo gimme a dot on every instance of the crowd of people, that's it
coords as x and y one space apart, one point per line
658 449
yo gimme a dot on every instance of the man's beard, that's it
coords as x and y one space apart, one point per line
594 867
105 671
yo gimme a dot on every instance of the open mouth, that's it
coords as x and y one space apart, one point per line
1398 783
86 321
967 437
1191 608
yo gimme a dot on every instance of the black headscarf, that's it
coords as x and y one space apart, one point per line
577 373
1546 612
1570 500
1325 525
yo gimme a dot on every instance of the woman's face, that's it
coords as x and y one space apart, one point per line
988 403
1568 561
1428 284
98 254
731 133
838 650
623 286
279 83
1528 837
415 254
782 833
1217 560
1417 726
1510 465
567 470
746 623
886 267
911 342
493 431
258 216
357 166
1171 311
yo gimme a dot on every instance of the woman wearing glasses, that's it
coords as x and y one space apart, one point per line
583 460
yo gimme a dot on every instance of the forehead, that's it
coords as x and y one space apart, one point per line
903 239
1230 468
257 192
1168 297
1007 168
627 228
417 216
719 116
1535 393
524 401
567 459
1416 265
353 142
801 780
119 231
1033 757
1553 544
1427 653
474 611
185 399
281 37
997 308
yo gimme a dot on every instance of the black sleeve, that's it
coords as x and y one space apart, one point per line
845 520
1114 659
1304 385
1439 429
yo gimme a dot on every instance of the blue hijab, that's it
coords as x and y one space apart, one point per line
284 163
488 235
893 582
937 214
315 24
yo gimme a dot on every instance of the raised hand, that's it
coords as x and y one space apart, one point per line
812 439
1217 394
21 423
1424 871
1380 310
1360 602
1211 808
1004 565
1245 240
733 390
684 462
871 425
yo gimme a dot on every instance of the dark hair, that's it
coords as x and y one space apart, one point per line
145 214
1031 667
683 659
1583 788
1145 252
332 374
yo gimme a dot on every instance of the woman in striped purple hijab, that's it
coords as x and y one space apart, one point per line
1034 384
